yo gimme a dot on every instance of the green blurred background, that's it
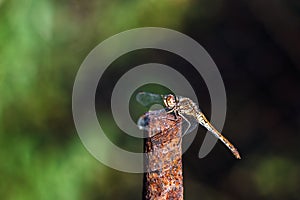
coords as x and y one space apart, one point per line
255 44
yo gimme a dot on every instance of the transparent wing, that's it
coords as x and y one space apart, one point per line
148 99
189 123
143 122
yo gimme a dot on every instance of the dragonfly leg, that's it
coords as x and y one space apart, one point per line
174 112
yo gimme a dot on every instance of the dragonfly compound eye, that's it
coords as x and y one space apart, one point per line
170 101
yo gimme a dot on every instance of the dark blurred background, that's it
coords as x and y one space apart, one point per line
255 44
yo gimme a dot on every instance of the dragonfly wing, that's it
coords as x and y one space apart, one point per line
148 99
144 121
160 118
189 123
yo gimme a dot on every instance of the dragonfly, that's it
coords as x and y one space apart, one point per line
188 110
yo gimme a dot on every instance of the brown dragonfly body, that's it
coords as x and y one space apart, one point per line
185 106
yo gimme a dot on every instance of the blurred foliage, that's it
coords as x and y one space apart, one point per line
42 44
277 174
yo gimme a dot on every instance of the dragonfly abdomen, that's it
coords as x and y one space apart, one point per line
204 122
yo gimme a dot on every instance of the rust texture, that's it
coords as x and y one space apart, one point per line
163 179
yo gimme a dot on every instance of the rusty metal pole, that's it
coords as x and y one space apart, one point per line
164 179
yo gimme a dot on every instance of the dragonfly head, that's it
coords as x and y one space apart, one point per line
170 101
